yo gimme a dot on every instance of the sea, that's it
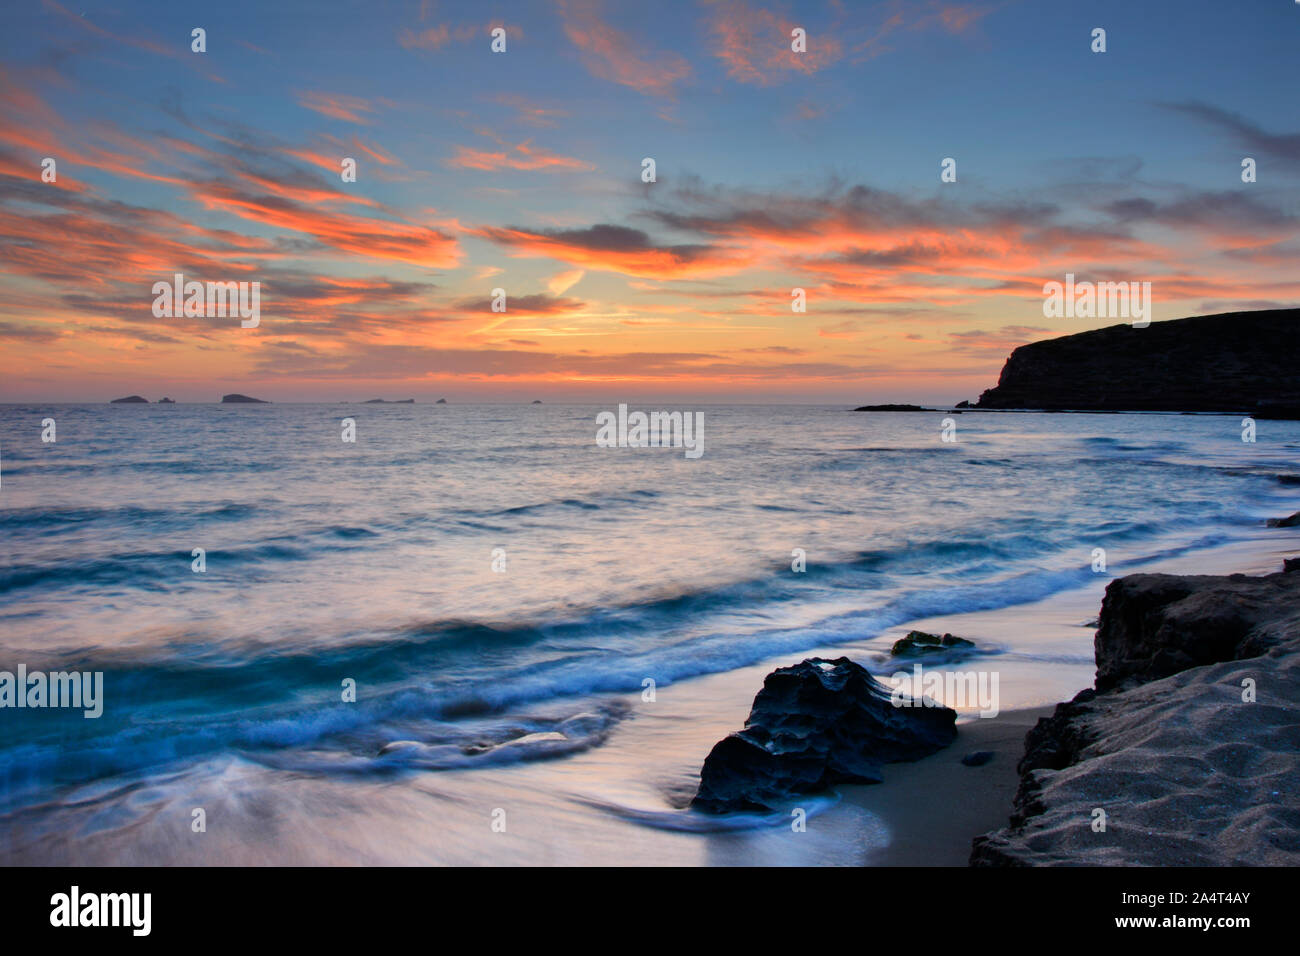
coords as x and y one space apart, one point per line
474 635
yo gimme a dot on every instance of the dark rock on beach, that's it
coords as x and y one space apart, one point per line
1190 743
1155 625
1237 362
1288 522
977 758
813 725
236 398
919 642
130 400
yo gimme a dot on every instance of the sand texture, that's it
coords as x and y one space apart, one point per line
1187 770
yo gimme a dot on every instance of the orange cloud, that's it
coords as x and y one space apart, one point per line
520 156
337 106
433 38
755 45
564 281
375 153
530 113
618 249
954 17
372 238
610 54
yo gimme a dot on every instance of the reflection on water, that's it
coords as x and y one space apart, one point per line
371 562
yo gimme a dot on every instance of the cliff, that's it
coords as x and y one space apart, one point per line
1237 362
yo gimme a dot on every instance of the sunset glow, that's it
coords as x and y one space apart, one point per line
522 171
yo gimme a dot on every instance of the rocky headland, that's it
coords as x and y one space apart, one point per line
1236 362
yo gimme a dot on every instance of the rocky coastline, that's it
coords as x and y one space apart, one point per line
1236 362
1186 752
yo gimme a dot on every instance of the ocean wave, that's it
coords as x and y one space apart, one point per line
692 821
685 578
427 703
279 702
156 571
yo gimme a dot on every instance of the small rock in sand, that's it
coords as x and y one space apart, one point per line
919 642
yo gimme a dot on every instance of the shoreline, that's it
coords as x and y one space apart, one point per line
616 804
931 810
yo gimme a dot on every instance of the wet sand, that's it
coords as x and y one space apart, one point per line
932 808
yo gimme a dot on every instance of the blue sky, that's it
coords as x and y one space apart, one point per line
520 171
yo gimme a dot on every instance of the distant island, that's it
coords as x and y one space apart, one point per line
1236 362
165 401
441 401
384 401
537 401
235 397
130 400
890 408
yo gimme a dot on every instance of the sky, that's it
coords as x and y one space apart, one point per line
522 171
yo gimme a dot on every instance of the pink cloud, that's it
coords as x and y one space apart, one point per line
610 54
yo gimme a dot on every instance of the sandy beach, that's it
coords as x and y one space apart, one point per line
931 807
